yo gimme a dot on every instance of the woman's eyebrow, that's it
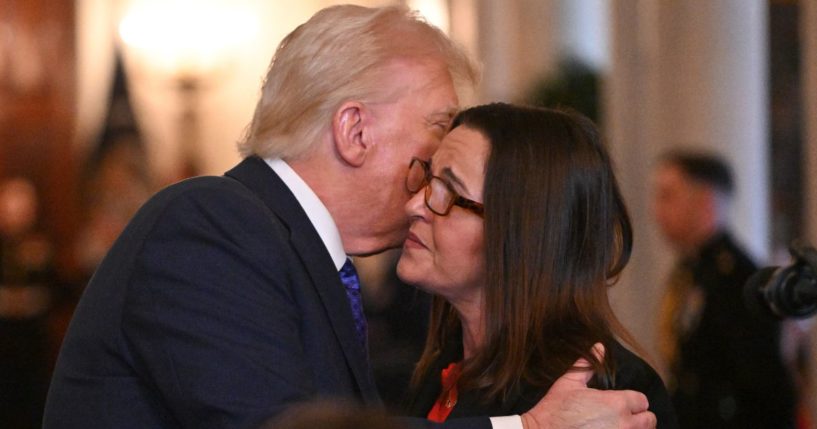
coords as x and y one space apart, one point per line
449 174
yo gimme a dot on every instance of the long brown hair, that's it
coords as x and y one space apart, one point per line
557 234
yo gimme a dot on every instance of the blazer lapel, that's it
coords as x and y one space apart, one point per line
256 175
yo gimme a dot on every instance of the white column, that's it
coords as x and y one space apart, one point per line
522 41
685 73
515 41
630 128
808 40
583 31
712 61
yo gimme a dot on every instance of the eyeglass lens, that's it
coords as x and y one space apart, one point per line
417 176
438 196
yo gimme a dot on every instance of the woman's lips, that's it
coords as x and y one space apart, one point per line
412 241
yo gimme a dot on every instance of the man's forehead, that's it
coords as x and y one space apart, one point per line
444 103
426 80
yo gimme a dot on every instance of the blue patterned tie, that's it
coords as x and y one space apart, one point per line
349 278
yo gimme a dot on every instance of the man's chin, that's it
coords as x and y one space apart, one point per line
379 248
373 245
374 252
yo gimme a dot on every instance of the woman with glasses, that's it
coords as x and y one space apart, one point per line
518 229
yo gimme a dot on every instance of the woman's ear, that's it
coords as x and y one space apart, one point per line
348 129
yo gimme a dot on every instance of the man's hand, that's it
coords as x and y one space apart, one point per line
571 404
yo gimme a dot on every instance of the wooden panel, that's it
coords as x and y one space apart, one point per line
37 91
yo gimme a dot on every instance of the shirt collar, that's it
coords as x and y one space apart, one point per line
317 213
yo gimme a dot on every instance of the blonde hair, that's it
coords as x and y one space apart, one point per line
337 56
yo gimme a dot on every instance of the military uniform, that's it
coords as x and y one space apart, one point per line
726 369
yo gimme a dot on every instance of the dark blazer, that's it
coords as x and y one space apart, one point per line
631 373
730 371
217 307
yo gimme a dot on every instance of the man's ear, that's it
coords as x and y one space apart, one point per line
348 126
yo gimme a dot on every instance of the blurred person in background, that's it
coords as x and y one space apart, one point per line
27 281
723 363
518 229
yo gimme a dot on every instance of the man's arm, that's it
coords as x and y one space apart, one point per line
569 404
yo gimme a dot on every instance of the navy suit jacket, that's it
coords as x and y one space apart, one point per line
217 307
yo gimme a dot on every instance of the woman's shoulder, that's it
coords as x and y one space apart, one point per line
631 370
634 373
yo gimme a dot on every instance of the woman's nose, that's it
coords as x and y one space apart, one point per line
416 206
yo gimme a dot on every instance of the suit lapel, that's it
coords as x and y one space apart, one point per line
256 175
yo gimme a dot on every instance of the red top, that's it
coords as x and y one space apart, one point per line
448 396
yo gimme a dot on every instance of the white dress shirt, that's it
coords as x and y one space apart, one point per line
317 212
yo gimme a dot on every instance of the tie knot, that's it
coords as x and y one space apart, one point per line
348 275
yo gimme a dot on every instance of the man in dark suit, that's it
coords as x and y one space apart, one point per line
724 363
228 299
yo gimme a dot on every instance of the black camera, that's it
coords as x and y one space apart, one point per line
789 291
